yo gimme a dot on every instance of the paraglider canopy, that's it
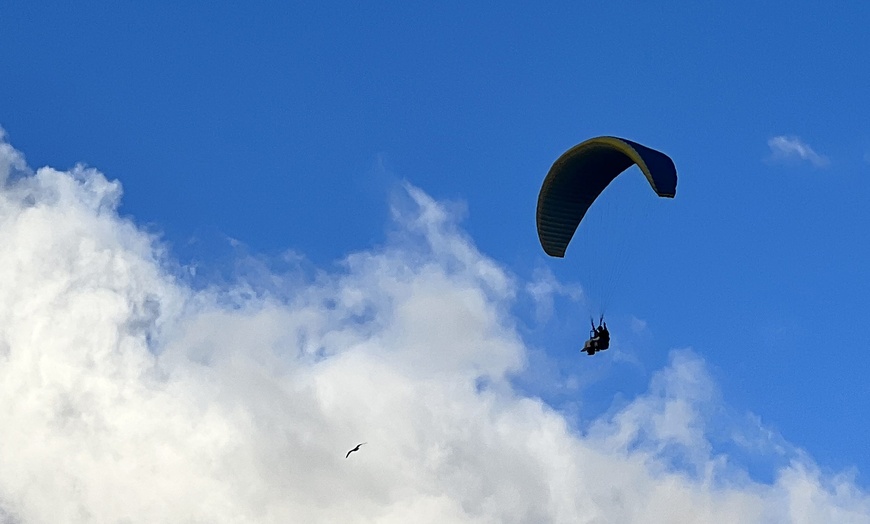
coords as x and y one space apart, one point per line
582 173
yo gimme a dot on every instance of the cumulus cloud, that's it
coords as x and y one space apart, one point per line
11 160
127 395
544 287
791 148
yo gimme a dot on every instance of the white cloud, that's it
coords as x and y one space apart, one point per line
791 148
126 396
11 160
544 287
638 325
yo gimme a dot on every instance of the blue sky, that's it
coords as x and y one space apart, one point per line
293 128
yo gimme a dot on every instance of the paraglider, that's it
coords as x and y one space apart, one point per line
599 338
577 179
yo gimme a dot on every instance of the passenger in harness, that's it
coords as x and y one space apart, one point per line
599 337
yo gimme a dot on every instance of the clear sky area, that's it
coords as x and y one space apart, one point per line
241 238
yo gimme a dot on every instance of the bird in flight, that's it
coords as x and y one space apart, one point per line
354 449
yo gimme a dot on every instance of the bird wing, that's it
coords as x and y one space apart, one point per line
354 449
